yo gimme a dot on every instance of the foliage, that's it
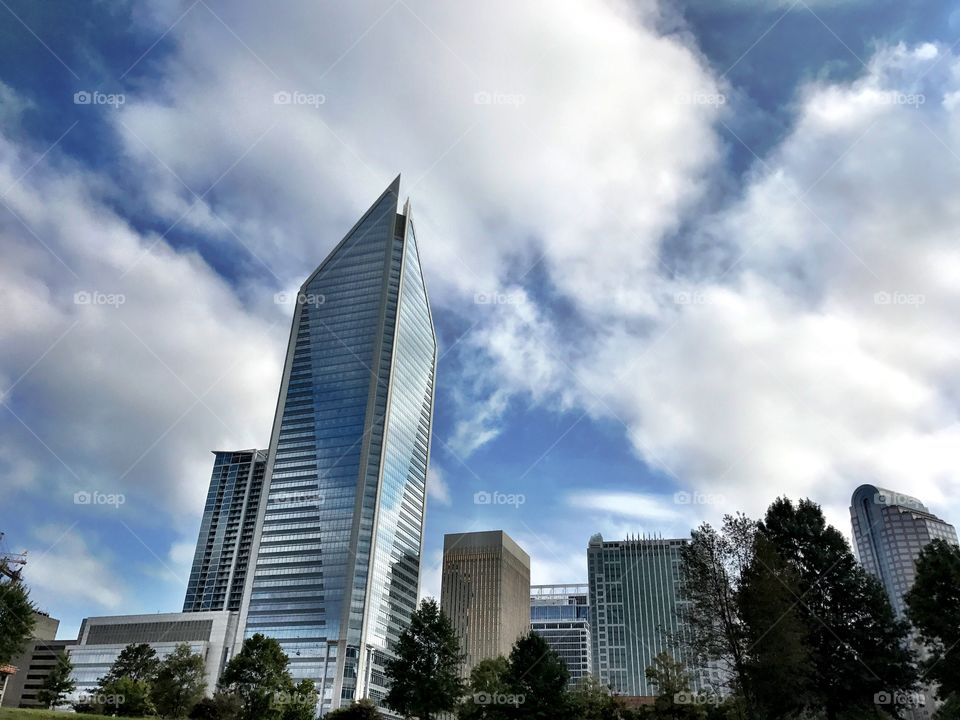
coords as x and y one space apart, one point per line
537 679
16 619
222 706
258 676
425 672
301 702
125 696
675 699
933 606
592 700
179 683
363 710
137 661
488 682
58 684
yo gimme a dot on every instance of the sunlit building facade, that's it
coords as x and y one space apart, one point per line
340 531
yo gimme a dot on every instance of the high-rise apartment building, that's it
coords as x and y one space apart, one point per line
889 531
340 530
226 531
635 593
485 591
560 614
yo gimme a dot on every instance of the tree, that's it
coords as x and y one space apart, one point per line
302 702
222 706
124 696
675 699
257 676
363 710
712 567
592 700
58 684
933 606
425 672
179 683
488 681
137 661
16 619
538 679
858 647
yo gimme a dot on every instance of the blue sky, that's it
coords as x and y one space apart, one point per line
719 239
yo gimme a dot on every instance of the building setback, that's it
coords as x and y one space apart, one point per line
560 614
339 534
226 531
485 592
34 663
634 599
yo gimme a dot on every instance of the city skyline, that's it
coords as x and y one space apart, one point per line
683 258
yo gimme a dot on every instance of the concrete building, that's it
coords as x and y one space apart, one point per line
220 563
339 535
33 664
101 640
485 591
634 598
560 614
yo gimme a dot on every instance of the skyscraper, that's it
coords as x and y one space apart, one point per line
560 614
226 531
339 536
485 591
634 597
889 531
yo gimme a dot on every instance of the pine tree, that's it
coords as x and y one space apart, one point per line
58 684
16 619
425 672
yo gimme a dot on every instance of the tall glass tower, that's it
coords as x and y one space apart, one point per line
339 538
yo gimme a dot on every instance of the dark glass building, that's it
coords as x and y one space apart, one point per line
560 614
339 536
226 531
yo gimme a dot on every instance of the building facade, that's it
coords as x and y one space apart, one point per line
220 563
560 614
340 530
889 531
635 595
33 664
211 634
485 592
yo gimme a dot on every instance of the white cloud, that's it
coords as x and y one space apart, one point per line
437 487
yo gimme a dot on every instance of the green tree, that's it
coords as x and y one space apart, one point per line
58 684
537 678
16 619
933 606
301 702
137 661
777 659
675 699
124 696
179 683
592 700
222 706
425 672
258 676
488 680
363 710
858 647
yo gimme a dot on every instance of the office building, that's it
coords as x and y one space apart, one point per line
635 595
31 667
226 531
485 591
560 614
211 634
889 531
340 530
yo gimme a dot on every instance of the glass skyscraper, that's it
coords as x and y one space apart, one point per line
339 535
560 614
220 562
634 598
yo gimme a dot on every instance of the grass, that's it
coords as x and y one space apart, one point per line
12 714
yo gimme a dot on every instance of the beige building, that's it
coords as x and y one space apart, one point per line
485 591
